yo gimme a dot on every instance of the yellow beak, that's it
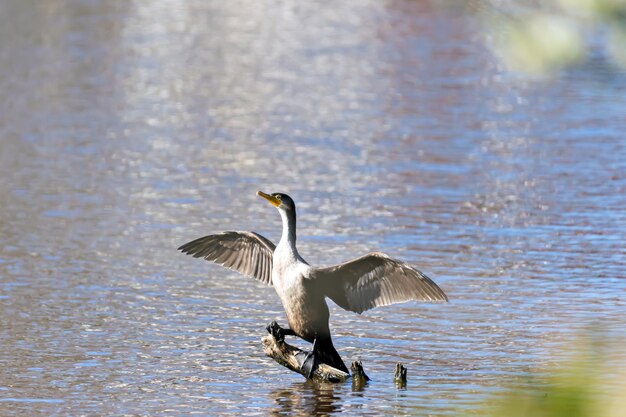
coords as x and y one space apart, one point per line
273 200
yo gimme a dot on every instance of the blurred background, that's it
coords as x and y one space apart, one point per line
482 142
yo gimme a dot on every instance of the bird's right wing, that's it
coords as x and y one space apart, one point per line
246 252
375 280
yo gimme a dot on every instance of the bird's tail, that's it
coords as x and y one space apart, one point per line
325 352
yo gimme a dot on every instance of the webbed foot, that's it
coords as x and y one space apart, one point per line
276 331
308 363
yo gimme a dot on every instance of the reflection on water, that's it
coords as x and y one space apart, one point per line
307 399
128 128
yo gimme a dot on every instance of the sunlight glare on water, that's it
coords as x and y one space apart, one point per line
129 128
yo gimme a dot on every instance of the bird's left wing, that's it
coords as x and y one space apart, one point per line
246 252
375 280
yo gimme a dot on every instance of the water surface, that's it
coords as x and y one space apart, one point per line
129 128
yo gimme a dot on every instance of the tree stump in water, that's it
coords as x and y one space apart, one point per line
399 377
359 379
292 357
287 355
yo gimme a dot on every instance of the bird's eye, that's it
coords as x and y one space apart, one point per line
277 196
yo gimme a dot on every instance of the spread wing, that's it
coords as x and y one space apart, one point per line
375 280
246 252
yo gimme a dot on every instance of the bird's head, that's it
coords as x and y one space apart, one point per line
278 200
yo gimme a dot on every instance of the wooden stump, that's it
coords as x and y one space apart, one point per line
399 377
287 355
359 378
292 358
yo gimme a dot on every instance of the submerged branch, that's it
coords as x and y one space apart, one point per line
286 355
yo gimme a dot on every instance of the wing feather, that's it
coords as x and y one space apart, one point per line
375 280
246 252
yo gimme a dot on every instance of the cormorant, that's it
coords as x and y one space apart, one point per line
361 284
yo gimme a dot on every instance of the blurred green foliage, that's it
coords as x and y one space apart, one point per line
543 36
585 386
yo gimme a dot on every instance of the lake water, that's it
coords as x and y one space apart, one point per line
129 128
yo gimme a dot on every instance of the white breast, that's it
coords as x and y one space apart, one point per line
305 305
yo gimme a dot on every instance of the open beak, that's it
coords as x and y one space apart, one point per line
273 200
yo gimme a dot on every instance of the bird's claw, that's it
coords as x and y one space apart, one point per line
276 331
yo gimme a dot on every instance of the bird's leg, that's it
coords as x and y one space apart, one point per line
309 361
278 332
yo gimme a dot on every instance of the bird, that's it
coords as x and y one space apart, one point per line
369 281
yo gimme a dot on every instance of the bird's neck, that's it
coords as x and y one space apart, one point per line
289 230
